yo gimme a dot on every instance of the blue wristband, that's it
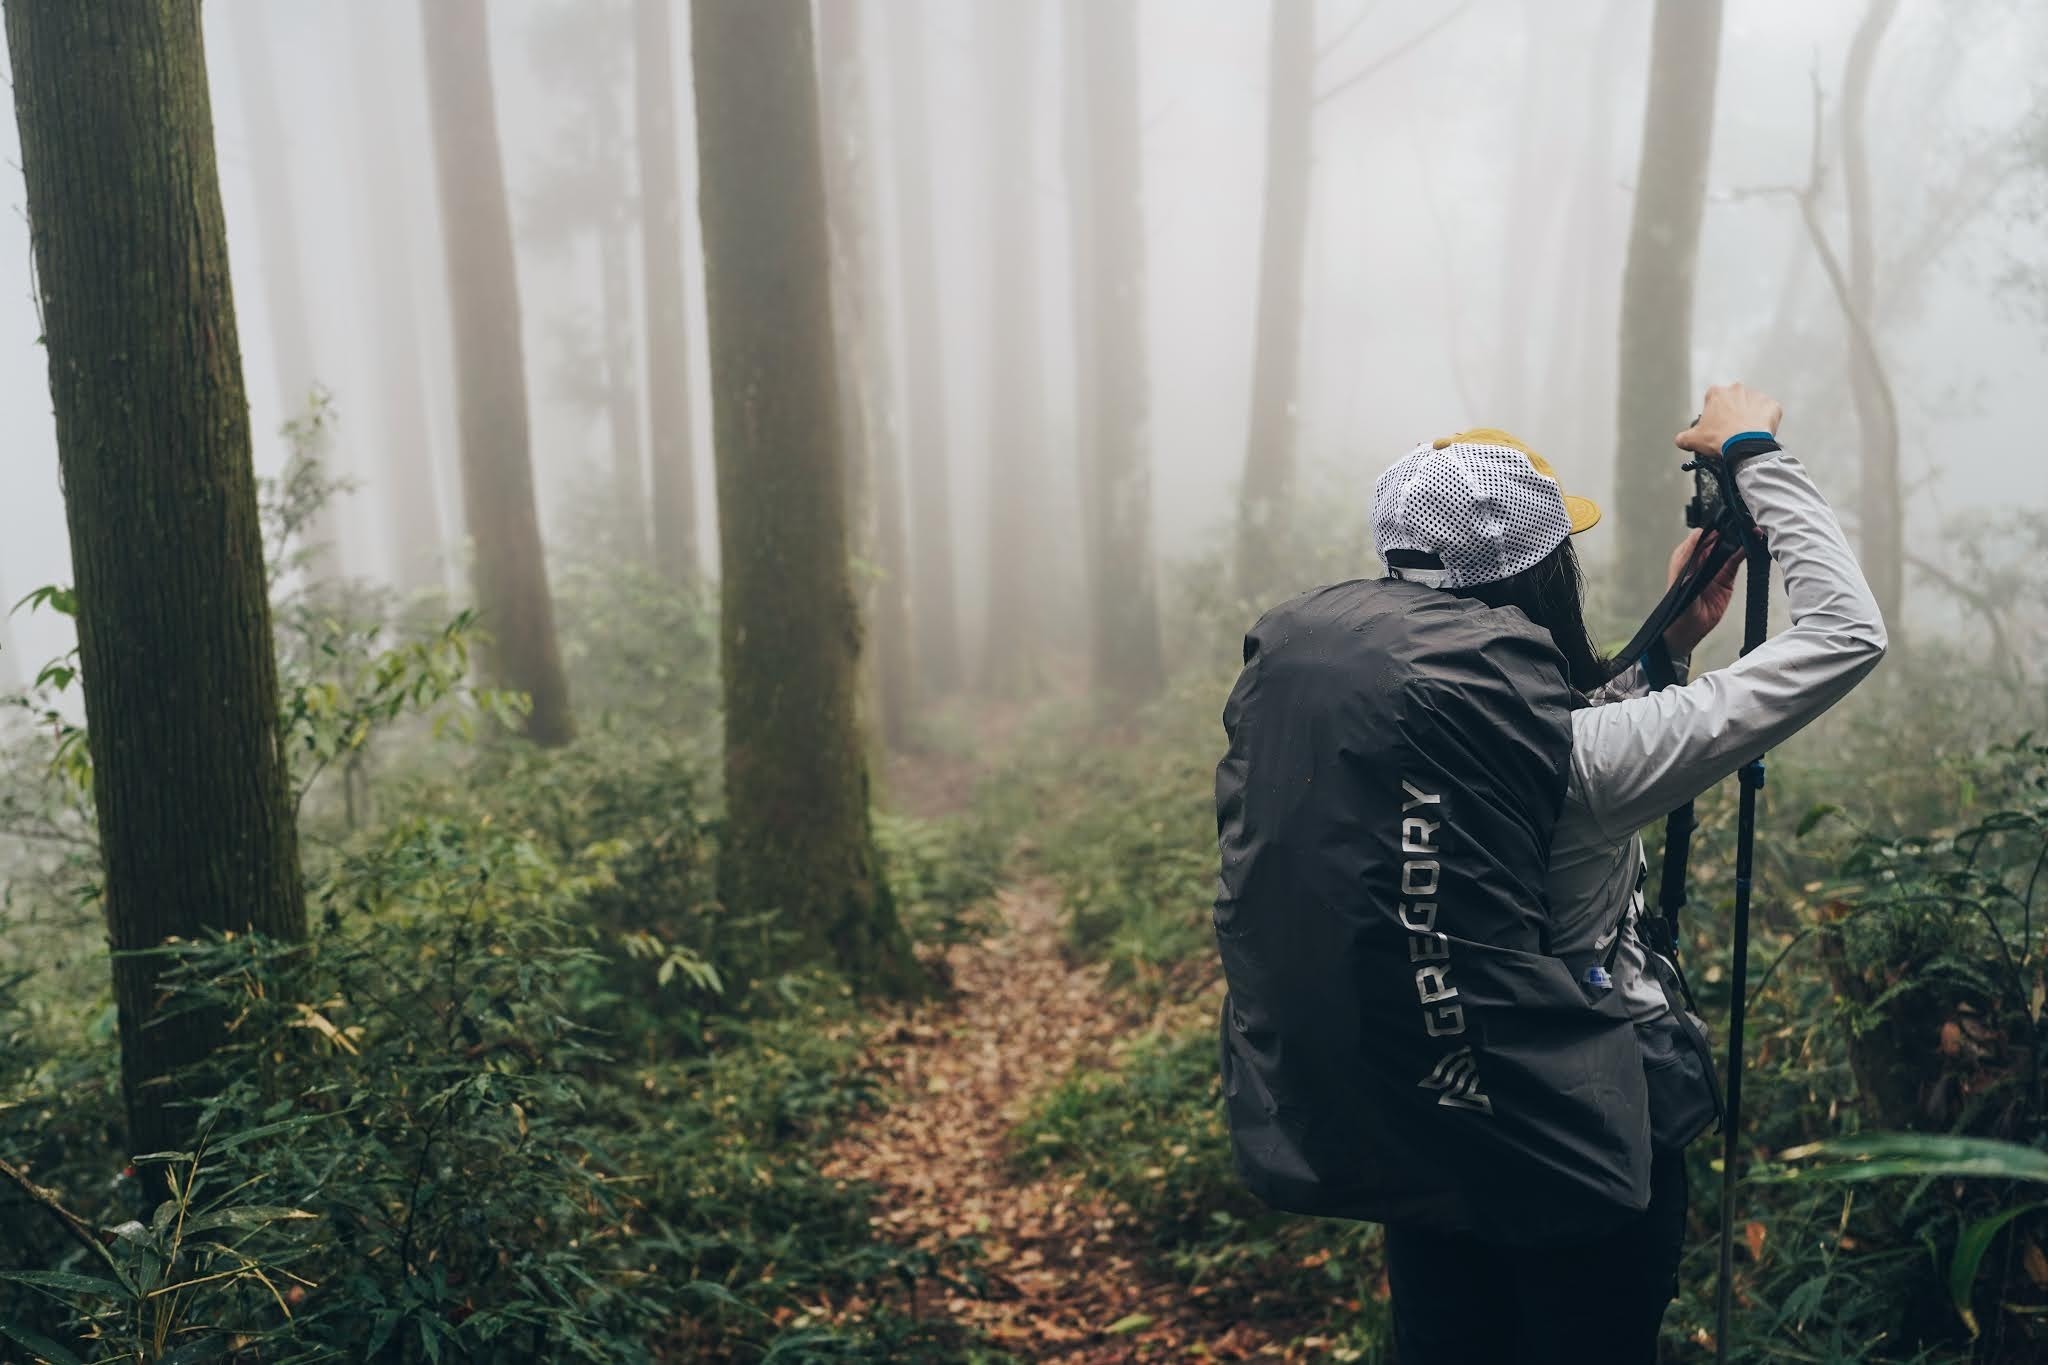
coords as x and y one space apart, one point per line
1762 438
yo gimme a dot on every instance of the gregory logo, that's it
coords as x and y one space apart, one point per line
1457 1074
1458 1077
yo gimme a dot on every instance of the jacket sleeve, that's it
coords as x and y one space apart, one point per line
1635 760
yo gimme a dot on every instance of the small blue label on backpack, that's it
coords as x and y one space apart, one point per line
1598 979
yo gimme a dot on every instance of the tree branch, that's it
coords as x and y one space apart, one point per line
1980 602
47 1201
1373 68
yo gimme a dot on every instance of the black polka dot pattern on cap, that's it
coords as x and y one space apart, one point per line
1482 509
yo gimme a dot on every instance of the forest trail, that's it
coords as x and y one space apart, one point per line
1062 1270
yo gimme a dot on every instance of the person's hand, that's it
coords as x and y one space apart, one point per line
1730 410
1697 621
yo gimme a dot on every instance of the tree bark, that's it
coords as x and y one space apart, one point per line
413 502
1016 379
1110 293
661 237
174 635
934 607
622 388
1265 521
873 438
797 835
283 264
1880 512
1655 379
490 369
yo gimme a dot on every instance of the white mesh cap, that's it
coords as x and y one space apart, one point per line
1483 508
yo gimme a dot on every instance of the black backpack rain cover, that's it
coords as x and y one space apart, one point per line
1398 1045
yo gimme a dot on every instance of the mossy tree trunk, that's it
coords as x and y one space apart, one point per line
1107 170
1016 380
873 435
490 368
661 236
410 495
935 609
174 635
1655 379
797 836
1265 521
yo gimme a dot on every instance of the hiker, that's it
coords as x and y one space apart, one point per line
1515 1116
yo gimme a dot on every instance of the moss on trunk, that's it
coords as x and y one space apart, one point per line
174 634
490 369
797 836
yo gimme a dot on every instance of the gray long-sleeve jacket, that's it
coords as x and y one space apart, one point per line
1637 757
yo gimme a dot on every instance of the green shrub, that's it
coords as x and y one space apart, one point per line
422 1144
1125 825
943 873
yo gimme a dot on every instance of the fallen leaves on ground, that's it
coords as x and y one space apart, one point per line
1067 1280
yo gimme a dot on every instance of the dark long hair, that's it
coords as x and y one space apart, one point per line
1552 595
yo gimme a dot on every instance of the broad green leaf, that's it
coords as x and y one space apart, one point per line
1129 1322
381 1330
1970 1249
233 1140
66 1281
1814 817
42 1347
249 1216
1878 1156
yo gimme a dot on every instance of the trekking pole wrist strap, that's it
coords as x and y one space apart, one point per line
1743 444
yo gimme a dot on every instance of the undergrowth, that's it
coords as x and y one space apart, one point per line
1896 978
528 1091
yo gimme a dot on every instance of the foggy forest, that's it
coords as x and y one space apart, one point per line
614 616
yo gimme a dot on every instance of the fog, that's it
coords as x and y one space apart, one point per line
1469 218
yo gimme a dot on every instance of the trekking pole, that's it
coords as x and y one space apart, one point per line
1756 625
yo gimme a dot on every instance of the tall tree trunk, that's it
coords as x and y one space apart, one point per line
1016 376
622 389
934 607
174 638
797 835
1128 662
1880 511
412 501
490 368
1656 383
661 237
283 274
873 440
1265 519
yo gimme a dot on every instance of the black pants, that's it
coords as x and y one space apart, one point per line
1461 1301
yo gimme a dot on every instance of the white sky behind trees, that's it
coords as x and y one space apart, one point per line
1469 219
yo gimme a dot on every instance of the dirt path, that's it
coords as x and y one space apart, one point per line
1061 1268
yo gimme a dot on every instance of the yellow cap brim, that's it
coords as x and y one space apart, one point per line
1583 512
